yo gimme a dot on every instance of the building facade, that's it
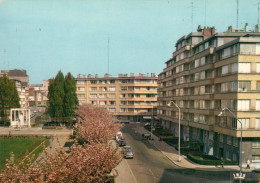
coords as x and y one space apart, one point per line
38 94
210 71
22 81
130 98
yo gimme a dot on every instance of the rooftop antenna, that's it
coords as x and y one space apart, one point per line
192 7
258 13
237 12
205 13
108 54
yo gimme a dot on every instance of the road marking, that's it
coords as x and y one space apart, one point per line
131 171
152 173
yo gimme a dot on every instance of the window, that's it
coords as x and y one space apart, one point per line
112 95
123 95
196 117
197 76
112 109
93 82
112 88
94 102
112 103
81 95
258 85
102 95
123 110
81 89
224 87
93 96
123 88
224 69
229 140
256 144
220 137
244 86
234 86
206 45
196 104
202 90
245 123
102 102
226 53
235 141
257 105
177 69
202 104
181 80
197 62
244 68
202 75
202 119
234 68
258 67
223 103
257 123
93 89
112 81
123 103
202 61
243 105
149 95
255 158
81 82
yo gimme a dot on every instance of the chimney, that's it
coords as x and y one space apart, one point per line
246 27
209 31
199 29
229 29
256 28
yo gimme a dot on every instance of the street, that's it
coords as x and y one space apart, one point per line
151 166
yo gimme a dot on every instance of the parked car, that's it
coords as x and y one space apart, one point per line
126 149
129 154
119 136
122 142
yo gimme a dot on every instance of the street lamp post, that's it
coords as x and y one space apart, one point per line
240 148
179 139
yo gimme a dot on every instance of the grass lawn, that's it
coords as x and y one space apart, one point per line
20 147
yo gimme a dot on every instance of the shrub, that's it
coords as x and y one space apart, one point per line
199 158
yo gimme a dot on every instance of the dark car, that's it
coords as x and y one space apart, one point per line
122 142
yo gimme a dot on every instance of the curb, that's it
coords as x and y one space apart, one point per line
166 155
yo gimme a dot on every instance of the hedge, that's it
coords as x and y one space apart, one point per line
207 160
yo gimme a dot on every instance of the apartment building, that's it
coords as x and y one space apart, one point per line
21 80
210 71
130 98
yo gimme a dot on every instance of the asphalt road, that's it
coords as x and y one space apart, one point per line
151 166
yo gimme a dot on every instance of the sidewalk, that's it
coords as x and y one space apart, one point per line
172 154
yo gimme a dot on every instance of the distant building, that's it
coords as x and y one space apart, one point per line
210 71
38 94
21 80
130 98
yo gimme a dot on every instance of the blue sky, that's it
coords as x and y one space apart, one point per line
45 36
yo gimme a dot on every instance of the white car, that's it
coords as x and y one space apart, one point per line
129 154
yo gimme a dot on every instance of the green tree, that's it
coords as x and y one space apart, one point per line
56 97
70 97
8 97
